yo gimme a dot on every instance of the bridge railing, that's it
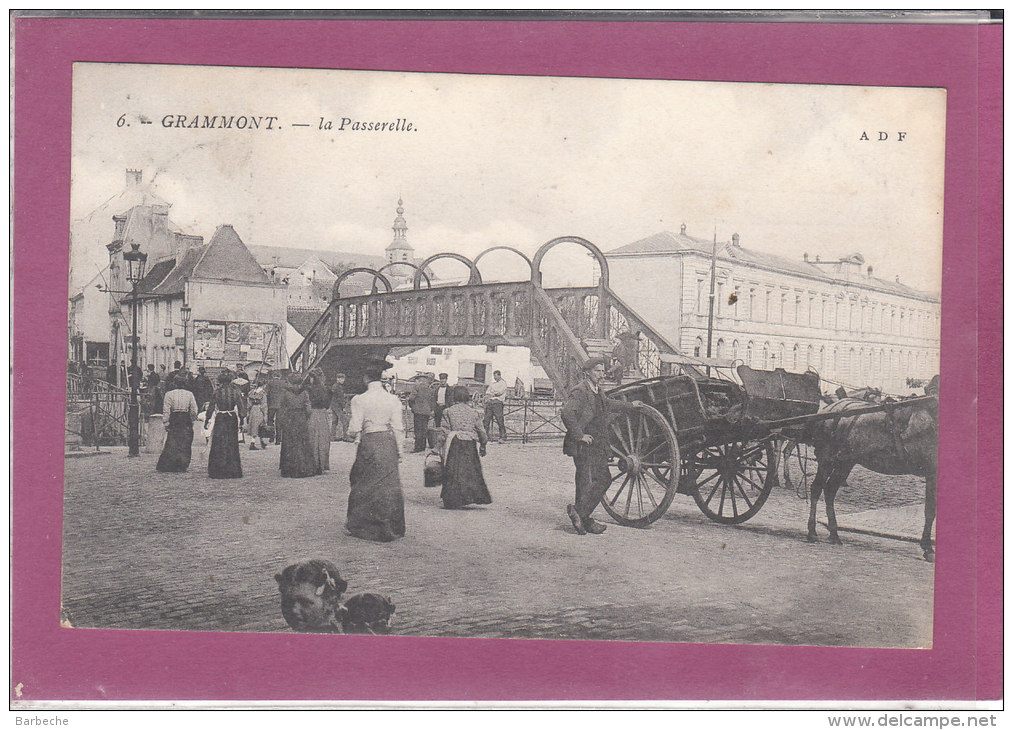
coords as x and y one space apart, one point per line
639 344
555 323
554 342
497 313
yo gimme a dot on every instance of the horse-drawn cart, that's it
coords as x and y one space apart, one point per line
708 437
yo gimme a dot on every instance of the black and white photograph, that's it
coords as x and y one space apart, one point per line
512 357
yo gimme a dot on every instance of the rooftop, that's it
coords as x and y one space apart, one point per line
292 258
668 242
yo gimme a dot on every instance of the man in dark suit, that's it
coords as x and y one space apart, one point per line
422 401
442 391
585 415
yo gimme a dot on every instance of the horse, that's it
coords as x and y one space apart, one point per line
901 439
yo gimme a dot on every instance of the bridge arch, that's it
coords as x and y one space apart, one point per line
536 264
336 290
504 248
473 278
392 264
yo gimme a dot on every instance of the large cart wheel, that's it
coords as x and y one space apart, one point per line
798 466
733 480
643 467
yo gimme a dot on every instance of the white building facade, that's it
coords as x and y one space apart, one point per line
769 311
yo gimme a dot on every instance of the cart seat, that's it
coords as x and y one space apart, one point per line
775 394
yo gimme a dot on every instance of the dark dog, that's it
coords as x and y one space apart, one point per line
367 613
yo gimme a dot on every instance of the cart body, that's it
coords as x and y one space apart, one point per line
708 437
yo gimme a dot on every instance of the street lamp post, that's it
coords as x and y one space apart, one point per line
184 313
136 261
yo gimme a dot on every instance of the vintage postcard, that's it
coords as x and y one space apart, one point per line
500 361
296 225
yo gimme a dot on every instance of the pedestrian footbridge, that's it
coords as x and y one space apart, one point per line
563 327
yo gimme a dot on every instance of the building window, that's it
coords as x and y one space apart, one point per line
735 350
751 314
780 354
780 314
749 353
798 309
765 363
718 304
490 348
736 294
721 349
767 304
697 347
435 351
701 306
794 358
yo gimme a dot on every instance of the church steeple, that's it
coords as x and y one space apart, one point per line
399 249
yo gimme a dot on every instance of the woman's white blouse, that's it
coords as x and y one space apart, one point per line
179 400
377 410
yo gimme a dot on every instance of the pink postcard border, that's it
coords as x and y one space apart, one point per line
51 663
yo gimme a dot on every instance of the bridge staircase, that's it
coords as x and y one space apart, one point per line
563 327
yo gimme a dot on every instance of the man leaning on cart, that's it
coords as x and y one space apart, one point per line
585 415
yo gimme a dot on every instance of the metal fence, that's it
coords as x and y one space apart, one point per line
526 420
96 412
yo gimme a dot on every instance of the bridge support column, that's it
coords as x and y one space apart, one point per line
603 311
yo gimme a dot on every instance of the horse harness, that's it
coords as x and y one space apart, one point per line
893 427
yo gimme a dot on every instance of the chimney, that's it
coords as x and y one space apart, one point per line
133 178
897 278
682 229
121 227
735 240
805 257
817 258
869 271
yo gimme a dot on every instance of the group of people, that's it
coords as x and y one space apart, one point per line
156 384
304 414
430 398
311 413
182 401
311 593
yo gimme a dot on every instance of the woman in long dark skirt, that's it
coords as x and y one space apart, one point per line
179 412
320 420
463 482
297 458
376 503
228 408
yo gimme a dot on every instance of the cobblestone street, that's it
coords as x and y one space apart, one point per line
144 550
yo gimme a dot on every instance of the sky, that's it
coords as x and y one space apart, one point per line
517 161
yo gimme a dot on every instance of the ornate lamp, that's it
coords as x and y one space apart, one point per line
184 313
136 263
